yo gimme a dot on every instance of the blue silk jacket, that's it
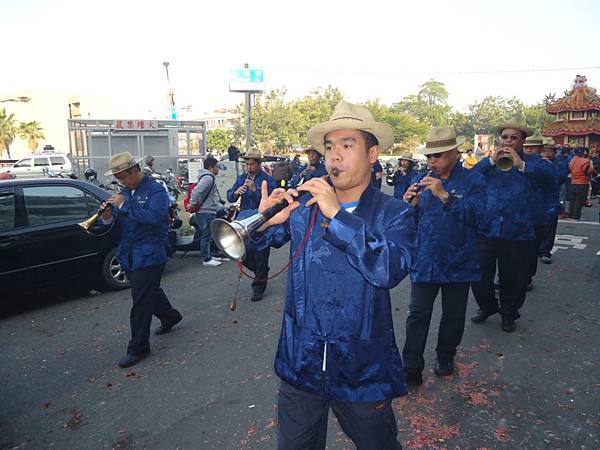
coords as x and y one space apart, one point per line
320 171
402 183
142 220
337 338
250 200
546 202
447 234
510 197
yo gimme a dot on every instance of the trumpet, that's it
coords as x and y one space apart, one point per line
504 162
231 237
89 223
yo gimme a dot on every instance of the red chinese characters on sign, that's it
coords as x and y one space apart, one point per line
135 124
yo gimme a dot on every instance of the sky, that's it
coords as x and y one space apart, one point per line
375 49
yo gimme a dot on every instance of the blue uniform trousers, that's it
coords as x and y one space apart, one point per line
303 416
452 324
513 260
148 299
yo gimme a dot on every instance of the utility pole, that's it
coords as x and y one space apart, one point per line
248 98
171 96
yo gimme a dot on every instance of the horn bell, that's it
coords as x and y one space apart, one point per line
231 237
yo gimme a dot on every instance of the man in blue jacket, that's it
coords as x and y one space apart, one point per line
552 203
337 347
402 178
506 235
449 205
247 186
141 211
534 145
313 169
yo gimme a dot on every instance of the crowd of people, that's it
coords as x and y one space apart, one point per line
451 229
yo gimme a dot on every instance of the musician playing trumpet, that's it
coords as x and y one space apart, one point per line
402 177
506 232
246 190
142 212
353 244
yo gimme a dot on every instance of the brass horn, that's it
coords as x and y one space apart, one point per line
231 237
89 223
504 162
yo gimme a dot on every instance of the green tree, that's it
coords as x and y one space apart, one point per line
8 131
429 105
219 140
406 127
485 116
32 131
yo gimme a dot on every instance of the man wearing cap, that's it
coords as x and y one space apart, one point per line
247 186
449 202
403 176
337 346
552 203
149 167
533 146
506 235
141 211
313 169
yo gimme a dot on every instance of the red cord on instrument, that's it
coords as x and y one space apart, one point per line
294 256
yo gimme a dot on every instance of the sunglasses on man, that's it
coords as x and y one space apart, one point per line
433 155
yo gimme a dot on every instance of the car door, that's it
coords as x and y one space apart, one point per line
13 261
22 168
57 246
39 163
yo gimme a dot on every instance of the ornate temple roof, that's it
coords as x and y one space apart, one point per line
573 128
581 97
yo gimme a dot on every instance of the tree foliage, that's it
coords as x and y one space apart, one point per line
32 132
278 124
218 140
8 131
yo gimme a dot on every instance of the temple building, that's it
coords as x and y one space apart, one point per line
577 114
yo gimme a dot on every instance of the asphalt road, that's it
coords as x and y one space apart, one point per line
210 384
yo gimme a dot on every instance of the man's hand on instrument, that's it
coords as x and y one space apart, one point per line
517 161
434 185
323 195
107 213
279 194
240 191
412 195
116 200
250 185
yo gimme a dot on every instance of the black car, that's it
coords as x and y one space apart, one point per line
41 242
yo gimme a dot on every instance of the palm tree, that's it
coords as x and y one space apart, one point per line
8 131
32 131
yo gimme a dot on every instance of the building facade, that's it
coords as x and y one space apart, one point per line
577 115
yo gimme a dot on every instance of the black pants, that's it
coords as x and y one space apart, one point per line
148 299
547 241
452 324
533 262
303 416
513 259
258 262
579 197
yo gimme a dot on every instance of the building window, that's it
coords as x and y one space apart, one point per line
578 115
562 116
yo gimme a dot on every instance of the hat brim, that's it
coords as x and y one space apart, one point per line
533 144
256 158
382 131
460 140
134 162
528 131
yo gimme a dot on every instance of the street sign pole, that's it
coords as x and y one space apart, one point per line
248 128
